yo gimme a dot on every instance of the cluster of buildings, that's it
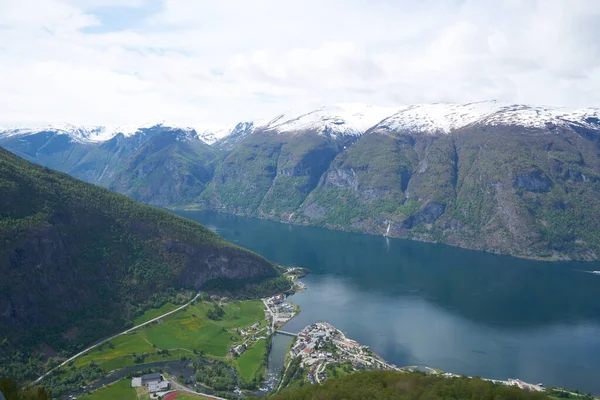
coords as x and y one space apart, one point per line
249 334
321 344
277 311
155 383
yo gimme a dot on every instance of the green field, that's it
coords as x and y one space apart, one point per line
121 390
250 359
154 312
183 333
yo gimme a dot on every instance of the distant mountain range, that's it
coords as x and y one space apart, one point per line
513 179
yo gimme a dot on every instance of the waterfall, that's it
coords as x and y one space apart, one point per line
388 229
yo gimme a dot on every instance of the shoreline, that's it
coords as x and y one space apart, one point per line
549 259
289 356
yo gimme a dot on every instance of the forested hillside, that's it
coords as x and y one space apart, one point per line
78 262
401 386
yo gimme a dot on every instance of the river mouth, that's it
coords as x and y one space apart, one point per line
276 363
458 310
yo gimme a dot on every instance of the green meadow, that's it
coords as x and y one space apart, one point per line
184 333
121 390
250 359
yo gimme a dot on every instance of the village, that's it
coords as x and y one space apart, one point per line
277 313
320 344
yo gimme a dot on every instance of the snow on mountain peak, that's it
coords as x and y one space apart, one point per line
92 133
446 117
439 117
347 119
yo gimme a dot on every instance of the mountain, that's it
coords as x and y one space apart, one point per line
270 172
78 261
170 168
506 178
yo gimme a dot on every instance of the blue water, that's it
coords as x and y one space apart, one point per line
458 310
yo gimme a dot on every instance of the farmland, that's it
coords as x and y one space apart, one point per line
252 357
185 335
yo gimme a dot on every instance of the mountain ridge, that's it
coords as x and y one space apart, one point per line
347 119
510 179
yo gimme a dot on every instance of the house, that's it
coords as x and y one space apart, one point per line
136 382
238 350
151 378
162 386
154 382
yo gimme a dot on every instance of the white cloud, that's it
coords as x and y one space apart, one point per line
116 62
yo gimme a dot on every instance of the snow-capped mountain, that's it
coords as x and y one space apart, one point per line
446 117
346 120
352 167
349 119
77 133
94 133
211 136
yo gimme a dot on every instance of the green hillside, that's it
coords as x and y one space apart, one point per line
79 262
401 386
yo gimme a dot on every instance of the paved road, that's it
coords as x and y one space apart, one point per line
112 337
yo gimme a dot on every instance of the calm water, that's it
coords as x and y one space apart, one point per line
458 310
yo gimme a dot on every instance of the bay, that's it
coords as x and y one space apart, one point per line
458 310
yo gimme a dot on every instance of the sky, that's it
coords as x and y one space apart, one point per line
211 63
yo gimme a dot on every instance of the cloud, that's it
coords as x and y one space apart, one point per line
206 62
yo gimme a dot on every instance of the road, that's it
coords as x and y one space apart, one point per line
320 368
112 337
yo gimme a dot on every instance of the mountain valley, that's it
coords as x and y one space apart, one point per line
511 179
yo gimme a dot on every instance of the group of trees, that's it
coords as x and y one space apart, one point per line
250 288
216 313
11 391
217 375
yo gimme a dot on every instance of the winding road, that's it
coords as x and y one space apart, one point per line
38 380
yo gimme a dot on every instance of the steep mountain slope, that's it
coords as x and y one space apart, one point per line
77 260
169 169
505 182
507 178
270 172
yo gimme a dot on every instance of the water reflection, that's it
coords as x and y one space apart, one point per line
459 310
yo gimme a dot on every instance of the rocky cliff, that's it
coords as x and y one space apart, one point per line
512 179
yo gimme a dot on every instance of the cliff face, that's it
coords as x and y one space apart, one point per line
507 182
269 174
77 260
496 188
167 170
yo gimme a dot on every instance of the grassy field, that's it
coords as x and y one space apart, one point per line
251 359
155 312
121 390
182 333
